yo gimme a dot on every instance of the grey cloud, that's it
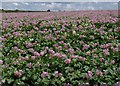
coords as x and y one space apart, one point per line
60 5
60 1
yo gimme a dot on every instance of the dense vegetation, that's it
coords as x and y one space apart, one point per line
60 49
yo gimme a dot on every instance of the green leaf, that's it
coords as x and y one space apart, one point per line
62 78
10 80
3 80
82 75
23 78
34 77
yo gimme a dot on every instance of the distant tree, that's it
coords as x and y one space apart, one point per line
48 10
16 10
59 10
2 9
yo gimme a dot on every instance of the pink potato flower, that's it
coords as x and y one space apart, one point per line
85 47
18 73
67 61
89 74
57 74
31 50
28 44
82 58
106 52
29 65
101 59
16 33
42 53
1 62
44 74
99 73
36 54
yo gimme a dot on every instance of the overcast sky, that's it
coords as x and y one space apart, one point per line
55 6
59 0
